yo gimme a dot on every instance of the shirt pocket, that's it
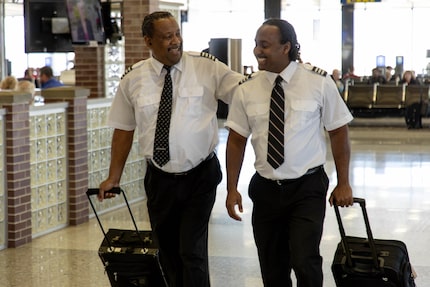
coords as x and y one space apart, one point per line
148 107
303 112
258 116
190 100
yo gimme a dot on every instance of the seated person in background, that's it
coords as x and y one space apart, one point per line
350 75
26 87
335 75
409 78
30 76
47 79
8 83
389 75
376 77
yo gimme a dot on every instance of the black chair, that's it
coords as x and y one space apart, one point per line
360 96
416 94
389 96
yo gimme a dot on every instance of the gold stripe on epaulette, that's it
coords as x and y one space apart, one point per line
207 55
319 71
247 77
128 70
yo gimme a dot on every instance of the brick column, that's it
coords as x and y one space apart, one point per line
17 132
133 12
89 69
77 144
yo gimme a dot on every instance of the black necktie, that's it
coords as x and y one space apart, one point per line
161 140
275 147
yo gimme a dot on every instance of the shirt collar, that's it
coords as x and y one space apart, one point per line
158 66
286 73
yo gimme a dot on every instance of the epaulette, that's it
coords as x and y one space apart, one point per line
319 71
247 77
130 68
202 54
207 55
316 70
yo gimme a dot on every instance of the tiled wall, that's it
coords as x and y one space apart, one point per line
51 163
48 161
99 142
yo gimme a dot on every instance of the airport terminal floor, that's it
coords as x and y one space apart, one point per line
390 168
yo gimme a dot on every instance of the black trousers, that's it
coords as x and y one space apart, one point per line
287 220
179 208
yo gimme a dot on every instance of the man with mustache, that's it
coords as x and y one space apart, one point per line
181 189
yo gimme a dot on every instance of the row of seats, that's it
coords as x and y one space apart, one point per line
385 96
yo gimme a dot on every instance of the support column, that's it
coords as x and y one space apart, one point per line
347 37
17 133
77 139
272 9
133 12
90 69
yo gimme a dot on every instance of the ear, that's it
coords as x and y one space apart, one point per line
287 48
147 40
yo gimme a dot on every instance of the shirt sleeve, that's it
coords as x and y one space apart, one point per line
121 115
335 112
237 119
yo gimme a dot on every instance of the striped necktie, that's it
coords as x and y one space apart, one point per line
161 141
275 147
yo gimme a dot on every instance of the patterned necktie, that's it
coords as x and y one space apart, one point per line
161 140
275 147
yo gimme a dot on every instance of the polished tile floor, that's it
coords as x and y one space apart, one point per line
390 168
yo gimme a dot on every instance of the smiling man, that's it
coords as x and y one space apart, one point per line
172 99
287 106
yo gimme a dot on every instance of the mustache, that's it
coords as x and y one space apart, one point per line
175 47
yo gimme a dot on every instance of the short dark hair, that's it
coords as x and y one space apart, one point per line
287 35
47 71
148 22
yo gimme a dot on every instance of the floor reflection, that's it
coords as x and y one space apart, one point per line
390 168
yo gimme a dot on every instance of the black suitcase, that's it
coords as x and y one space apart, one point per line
130 257
369 262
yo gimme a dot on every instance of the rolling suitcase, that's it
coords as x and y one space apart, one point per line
130 257
360 261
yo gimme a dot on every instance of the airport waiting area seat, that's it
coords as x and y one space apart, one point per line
360 96
390 96
417 94
386 99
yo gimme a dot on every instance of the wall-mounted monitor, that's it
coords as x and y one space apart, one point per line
380 61
399 60
45 27
85 21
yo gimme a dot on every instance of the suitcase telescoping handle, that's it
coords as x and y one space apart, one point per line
372 245
117 190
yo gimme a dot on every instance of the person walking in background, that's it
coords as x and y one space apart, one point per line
183 170
287 106
47 79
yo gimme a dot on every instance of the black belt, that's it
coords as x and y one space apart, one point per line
309 172
175 174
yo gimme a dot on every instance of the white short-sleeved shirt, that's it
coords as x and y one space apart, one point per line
312 104
199 80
